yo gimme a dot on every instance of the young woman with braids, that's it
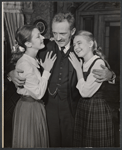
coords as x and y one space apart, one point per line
93 120
29 120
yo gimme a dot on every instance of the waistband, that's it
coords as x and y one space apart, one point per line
28 98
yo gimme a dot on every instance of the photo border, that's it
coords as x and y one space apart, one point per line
2 76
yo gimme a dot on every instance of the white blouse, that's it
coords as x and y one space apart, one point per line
35 84
90 86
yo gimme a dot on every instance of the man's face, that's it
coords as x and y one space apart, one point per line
62 32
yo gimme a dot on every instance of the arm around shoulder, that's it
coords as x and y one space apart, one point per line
113 77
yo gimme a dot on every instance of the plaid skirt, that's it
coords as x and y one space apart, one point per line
93 124
29 124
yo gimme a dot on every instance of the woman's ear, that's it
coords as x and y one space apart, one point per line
28 44
91 44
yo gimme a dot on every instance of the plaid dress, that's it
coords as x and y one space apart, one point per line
93 120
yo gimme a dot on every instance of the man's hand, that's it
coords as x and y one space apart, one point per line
103 74
16 79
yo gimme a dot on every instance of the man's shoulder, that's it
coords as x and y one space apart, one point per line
49 46
51 43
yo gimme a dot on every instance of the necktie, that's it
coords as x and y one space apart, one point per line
62 50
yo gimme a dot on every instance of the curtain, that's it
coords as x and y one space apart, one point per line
13 19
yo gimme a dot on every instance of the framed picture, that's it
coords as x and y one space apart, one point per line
41 25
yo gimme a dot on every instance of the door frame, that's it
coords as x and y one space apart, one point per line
101 14
101 29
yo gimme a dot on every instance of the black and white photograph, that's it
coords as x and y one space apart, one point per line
61 74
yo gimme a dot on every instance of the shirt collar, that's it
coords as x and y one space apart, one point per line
31 60
66 48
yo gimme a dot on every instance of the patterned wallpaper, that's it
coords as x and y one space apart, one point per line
46 9
43 10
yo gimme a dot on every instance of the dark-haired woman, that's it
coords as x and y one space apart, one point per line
29 120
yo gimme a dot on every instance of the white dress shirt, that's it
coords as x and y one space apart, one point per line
90 86
35 84
66 48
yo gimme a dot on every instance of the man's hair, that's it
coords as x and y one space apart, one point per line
60 17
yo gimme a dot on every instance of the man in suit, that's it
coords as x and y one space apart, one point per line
62 96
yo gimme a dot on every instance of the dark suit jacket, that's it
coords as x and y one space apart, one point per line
73 94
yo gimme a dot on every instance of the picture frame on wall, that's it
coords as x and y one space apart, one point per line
41 25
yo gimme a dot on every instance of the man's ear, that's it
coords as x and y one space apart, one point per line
28 44
91 44
73 31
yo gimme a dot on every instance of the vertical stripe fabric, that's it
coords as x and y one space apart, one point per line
13 19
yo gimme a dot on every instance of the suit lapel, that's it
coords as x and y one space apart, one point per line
71 69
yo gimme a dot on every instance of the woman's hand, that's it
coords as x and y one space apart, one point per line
75 62
48 62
